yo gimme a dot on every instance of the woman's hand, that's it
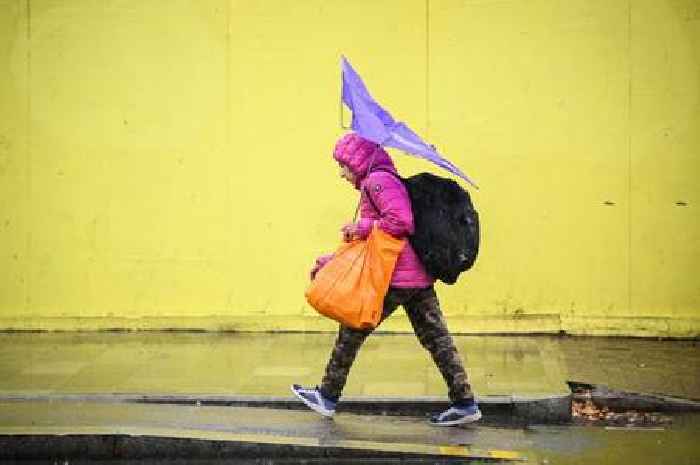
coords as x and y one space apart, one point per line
357 231
314 270
320 263
350 232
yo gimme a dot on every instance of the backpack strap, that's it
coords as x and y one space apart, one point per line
366 192
371 202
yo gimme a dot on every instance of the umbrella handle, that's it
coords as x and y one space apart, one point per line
340 111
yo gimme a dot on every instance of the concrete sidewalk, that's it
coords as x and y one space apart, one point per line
517 379
72 393
514 379
396 366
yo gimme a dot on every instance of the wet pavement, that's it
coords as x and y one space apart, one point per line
263 364
86 383
637 365
388 365
672 444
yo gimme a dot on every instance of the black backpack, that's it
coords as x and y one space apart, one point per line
446 236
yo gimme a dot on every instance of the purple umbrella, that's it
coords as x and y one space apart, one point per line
373 122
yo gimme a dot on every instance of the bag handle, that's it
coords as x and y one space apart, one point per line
359 202
369 197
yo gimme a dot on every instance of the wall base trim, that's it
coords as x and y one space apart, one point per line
686 327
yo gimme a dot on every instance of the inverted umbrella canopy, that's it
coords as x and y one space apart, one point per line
373 122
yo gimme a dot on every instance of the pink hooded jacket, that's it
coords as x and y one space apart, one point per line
389 196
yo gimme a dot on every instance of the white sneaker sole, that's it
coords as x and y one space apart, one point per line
315 407
461 421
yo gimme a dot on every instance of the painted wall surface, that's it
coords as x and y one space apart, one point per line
168 164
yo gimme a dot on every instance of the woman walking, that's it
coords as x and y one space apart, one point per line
384 201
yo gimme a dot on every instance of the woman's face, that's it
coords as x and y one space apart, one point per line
346 174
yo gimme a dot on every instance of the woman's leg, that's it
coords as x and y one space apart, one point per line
424 312
347 345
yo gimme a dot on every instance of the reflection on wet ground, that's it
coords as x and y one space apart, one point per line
675 443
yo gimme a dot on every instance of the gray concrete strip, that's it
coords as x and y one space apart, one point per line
35 430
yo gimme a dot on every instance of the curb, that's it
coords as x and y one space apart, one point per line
496 409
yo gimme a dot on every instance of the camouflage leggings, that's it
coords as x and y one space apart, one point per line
428 323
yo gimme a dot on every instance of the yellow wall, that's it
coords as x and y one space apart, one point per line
167 164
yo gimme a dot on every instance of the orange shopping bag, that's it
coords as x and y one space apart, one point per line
351 287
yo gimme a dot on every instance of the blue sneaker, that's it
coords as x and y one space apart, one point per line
315 400
457 415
